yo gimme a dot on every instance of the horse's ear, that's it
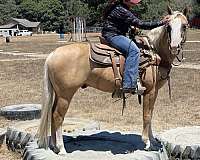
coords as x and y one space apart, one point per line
169 9
185 11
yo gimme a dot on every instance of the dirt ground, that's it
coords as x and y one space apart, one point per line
21 72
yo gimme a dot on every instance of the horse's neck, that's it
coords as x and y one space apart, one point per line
159 39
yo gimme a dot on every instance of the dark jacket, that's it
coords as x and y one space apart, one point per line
119 19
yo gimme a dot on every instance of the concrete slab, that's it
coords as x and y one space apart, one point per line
85 143
98 145
182 142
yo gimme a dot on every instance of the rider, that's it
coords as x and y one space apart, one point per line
118 18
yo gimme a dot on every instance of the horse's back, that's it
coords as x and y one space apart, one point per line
69 52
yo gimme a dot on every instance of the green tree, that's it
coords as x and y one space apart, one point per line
181 4
196 8
29 9
75 9
49 12
151 10
8 9
51 15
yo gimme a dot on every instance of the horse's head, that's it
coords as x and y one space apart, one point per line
176 29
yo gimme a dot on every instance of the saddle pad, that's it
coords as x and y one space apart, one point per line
101 54
102 59
103 49
106 47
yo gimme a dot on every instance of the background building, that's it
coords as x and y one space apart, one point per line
14 25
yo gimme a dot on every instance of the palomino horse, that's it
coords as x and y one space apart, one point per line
68 68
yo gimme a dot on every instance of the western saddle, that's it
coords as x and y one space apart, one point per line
103 54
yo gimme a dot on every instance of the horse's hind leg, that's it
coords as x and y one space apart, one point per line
61 107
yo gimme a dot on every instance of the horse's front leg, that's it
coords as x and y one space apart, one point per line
151 82
148 106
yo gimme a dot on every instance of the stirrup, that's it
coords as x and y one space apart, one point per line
140 89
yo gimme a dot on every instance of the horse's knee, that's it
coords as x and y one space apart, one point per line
62 106
147 118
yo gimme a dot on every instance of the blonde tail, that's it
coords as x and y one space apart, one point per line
47 105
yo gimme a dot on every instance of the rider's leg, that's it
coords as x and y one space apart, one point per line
131 51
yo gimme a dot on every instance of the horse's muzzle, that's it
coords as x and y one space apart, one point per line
175 50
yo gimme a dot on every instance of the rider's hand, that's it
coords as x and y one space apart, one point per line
166 19
135 30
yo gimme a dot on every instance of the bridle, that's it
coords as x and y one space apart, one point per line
180 47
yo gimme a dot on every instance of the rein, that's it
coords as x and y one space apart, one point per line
180 50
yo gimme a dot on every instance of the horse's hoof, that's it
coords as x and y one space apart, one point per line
153 146
148 146
55 149
147 149
62 153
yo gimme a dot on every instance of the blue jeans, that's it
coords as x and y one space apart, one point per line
131 52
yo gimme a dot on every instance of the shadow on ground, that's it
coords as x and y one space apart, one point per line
116 142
